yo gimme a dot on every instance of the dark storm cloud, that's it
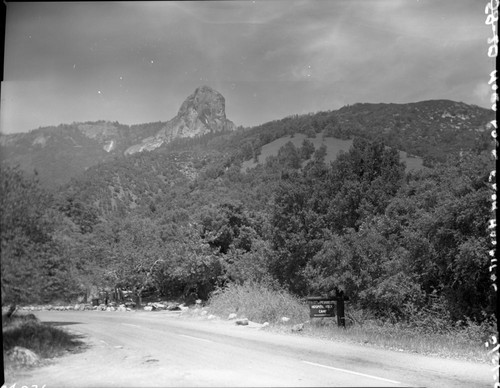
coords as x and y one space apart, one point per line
137 61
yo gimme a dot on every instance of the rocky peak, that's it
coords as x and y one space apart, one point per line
202 112
209 105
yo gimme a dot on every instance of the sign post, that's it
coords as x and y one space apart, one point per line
340 308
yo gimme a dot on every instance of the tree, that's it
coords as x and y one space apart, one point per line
321 201
288 156
32 268
307 149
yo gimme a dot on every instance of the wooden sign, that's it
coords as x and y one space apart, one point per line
321 308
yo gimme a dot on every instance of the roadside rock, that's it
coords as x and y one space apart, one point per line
148 308
22 356
284 319
159 306
265 324
298 327
232 316
242 322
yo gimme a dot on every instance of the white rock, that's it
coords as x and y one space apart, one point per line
23 356
265 324
211 316
148 308
285 319
242 322
298 327
204 312
77 307
232 316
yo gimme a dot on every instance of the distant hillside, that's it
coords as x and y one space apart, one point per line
430 130
333 148
63 152
425 132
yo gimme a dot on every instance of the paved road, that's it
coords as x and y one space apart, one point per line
162 349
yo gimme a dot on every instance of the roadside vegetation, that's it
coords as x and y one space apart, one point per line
26 331
258 302
430 335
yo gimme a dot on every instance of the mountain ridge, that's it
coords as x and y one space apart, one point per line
429 129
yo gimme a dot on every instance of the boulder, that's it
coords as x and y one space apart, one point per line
203 312
173 307
232 316
242 322
298 327
148 308
211 316
77 307
284 319
22 356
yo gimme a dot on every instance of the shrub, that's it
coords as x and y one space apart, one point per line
28 332
259 302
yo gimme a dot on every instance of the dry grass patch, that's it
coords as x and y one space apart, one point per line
26 331
257 302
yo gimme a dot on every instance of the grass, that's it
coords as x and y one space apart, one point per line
261 303
456 344
25 330
333 146
257 302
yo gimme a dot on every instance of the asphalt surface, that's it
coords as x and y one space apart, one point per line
132 349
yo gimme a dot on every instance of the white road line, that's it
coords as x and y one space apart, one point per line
196 338
130 324
351 372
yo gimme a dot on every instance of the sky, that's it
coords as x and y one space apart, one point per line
136 62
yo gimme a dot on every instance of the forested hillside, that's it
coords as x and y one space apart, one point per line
186 218
175 222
